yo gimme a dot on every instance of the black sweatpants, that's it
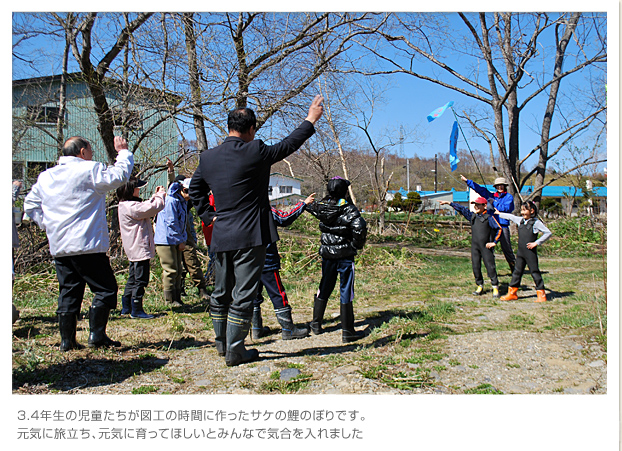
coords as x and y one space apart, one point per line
138 279
75 272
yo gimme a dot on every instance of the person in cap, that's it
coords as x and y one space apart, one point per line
344 232
69 203
190 257
170 240
135 225
504 203
238 174
483 225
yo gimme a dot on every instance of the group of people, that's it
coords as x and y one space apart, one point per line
490 222
229 191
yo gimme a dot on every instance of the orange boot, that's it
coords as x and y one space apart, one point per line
541 296
511 296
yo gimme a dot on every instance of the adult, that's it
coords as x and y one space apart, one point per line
504 202
190 257
238 173
69 203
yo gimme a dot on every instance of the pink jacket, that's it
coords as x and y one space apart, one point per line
136 228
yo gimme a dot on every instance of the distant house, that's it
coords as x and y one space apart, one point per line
284 190
136 110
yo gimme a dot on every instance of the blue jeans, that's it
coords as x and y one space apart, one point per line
330 269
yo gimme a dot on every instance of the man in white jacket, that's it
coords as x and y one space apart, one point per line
69 203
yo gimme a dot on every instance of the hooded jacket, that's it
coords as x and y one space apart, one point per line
69 203
343 229
136 228
170 227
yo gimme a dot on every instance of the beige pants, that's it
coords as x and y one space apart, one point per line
171 260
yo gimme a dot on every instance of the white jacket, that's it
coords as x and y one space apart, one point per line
69 203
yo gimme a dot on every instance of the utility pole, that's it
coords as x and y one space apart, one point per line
435 172
408 174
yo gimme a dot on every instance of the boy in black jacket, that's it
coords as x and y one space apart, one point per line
343 232
483 222
271 280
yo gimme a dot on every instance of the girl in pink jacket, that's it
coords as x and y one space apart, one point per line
137 236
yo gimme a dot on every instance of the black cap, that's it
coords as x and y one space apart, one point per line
140 183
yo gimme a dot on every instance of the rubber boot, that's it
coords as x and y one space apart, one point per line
178 293
98 319
67 324
237 330
288 330
319 307
169 298
495 291
479 290
511 296
137 310
126 305
219 321
348 334
541 296
257 328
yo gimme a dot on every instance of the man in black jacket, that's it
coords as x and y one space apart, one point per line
238 174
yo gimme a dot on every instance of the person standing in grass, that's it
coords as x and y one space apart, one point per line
527 255
483 226
136 228
271 280
344 232
170 240
69 203
504 203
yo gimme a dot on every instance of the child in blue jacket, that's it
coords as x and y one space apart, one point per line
271 280
170 238
483 225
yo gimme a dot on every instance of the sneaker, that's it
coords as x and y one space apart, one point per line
495 292
479 291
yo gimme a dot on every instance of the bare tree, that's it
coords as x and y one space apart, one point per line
511 48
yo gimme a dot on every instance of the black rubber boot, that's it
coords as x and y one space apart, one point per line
126 305
348 334
137 310
98 319
67 324
237 330
219 321
257 328
288 330
319 307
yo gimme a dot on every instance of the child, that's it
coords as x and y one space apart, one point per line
138 243
271 279
343 232
528 227
170 239
482 224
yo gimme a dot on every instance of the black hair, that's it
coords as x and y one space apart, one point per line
74 145
241 120
530 205
126 191
337 188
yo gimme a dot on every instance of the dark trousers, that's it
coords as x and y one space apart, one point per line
479 253
523 259
330 269
506 245
75 272
237 275
271 280
137 280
